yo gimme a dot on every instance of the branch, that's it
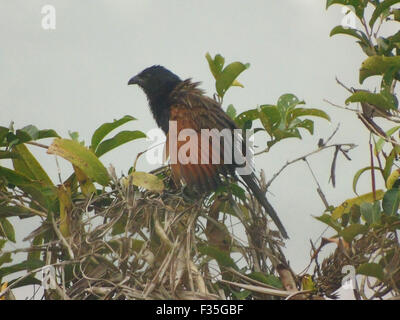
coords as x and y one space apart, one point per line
288 163
37 144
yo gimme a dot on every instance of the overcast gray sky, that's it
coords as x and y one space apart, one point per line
75 78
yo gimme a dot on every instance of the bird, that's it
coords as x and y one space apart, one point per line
181 104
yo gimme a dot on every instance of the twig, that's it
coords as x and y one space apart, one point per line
273 292
298 293
32 272
36 212
372 169
341 84
288 163
333 133
319 189
61 237
37 144
340 107
368 32
143 152
333 167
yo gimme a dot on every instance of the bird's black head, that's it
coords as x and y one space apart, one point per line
156 81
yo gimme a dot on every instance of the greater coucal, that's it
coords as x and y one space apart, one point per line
172 99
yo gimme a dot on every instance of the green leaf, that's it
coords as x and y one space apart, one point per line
267 279
306 124
8 155
35 255
247 117
301 112
3 133
242 295
215 64
81 157
328 220
32 130
383 6
14 177
387 81
14 211
351 32
28 265
30 280
371 270
223 258
355 214
42 188
358 174
391 201
238 191
7 230
352 231
270 118
27 164
119 226
74 135
284 134
378 65
106 128
376 99
2 243
47 133
359 5
286 103
29 133
5 258
231 111
20 136
228 76
118 140
268 115
381 141
370 212
389 163
396 14
41 194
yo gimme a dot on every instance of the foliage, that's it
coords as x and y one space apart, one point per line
367 224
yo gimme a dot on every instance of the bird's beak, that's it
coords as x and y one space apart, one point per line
135 80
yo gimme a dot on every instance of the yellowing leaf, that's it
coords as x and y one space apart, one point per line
237 84
64 196
147 180
85 182
307 283
346 205
81 157
2 288
392 178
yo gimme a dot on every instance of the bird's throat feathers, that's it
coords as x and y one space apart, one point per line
160 103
